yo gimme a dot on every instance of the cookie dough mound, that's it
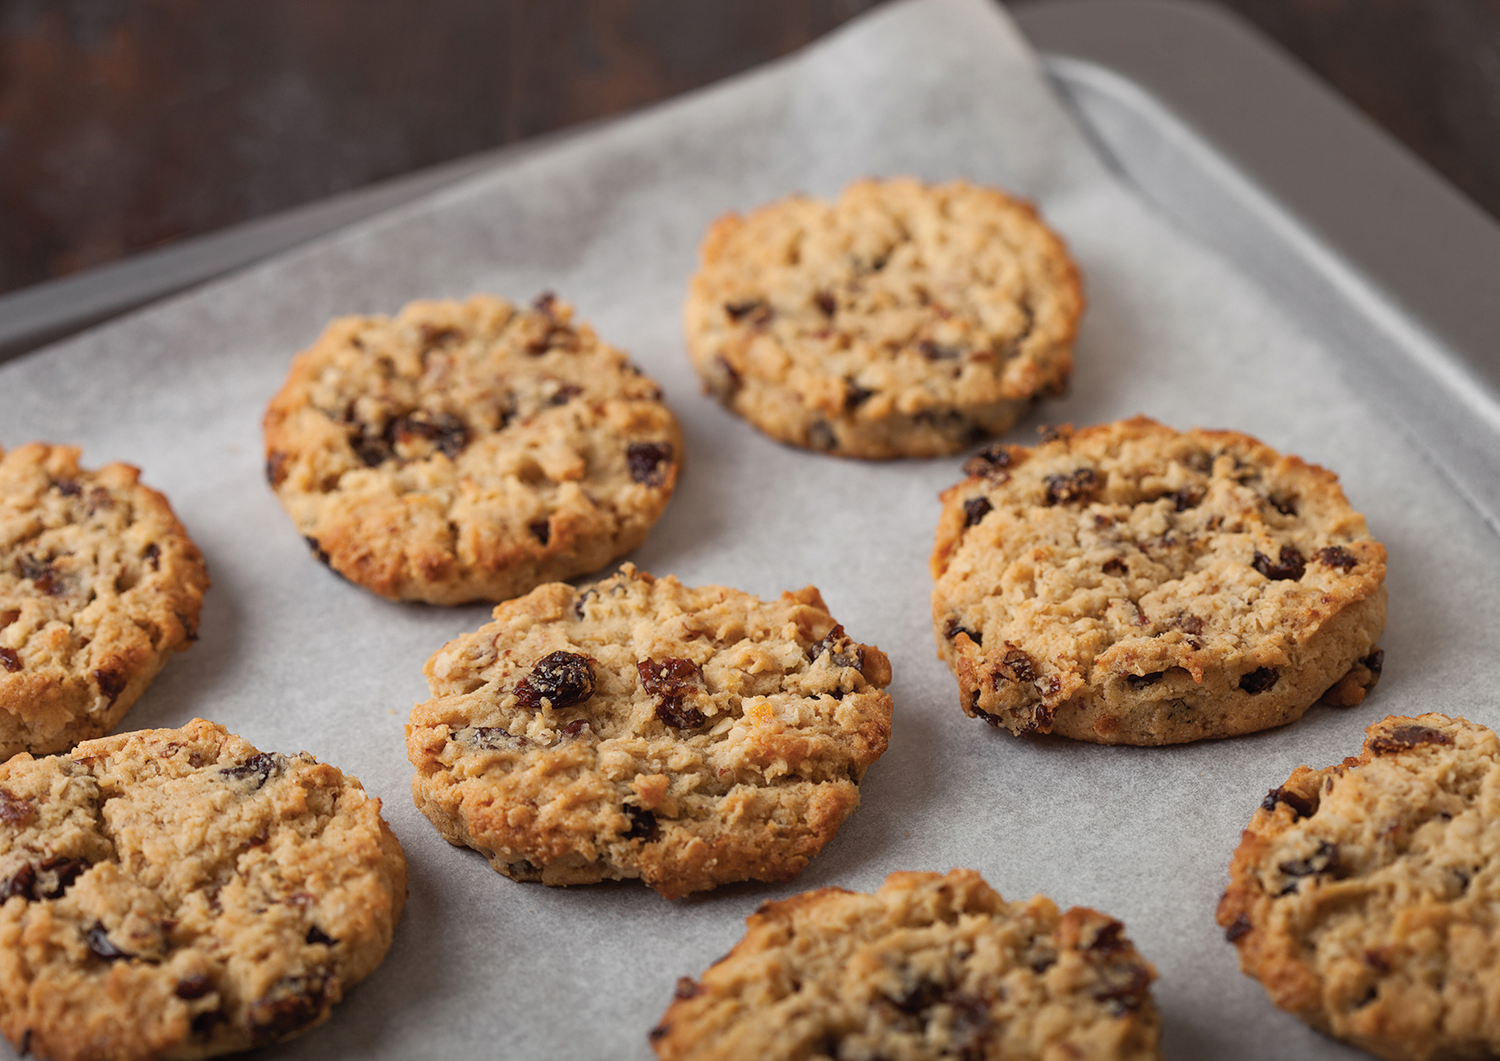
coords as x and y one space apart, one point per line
641 728
1130 584
1363 895
99 584
178 894
903 320
928 967
469 450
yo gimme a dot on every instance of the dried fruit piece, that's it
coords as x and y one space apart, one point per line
563 679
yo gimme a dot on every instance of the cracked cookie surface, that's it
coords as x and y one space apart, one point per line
902 320
99 585
469 450
179 894
1131 584
928 966
638 728
1363 895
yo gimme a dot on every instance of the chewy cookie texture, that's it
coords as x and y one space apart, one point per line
1131 584
1363 895
639 728
901 320
179 894
99 585
928 967
469 450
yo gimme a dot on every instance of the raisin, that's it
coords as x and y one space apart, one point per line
937 351
975 509
1186 498
837 643
68 488
1020 666
203 1024
687 988
1188 624
562 678
993 720
21 883
923 996
855 395
8 616
1051 433
1259 680
1302 807
577 728
1339 557
152 556
1287 506
259 767
541 530
646 460
292 1004
826 303
659 1031
679 716
10 659
1290 566
317 549
952 628
990 462
1237 928
1140 681
42 574
642 824
317 935
99 943
546 303
753 310
448 433
1079 485
1124 986
1324 860
1400 738
276 467
13 811
56 875
373 450
821 436
111 683
564 394
1375 662
194 986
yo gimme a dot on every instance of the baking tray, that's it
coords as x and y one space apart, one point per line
1236 146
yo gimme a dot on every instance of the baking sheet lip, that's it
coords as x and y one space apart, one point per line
1301 160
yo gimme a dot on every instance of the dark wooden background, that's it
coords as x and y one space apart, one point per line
126 124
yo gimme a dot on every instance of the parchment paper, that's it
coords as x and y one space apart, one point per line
295 659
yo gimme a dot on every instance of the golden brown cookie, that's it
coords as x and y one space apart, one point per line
928 967
1131 584
640 728
902 320
178 894
99 585
469 450
1363 895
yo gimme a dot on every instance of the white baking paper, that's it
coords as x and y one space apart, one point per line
294 659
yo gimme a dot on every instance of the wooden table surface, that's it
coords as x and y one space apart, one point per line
131 124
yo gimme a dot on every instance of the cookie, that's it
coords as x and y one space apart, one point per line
1362 896
99 584
175 893
928 967
638 728
1130 584
902 320
469 450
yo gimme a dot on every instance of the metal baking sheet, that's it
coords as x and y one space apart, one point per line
1188 250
